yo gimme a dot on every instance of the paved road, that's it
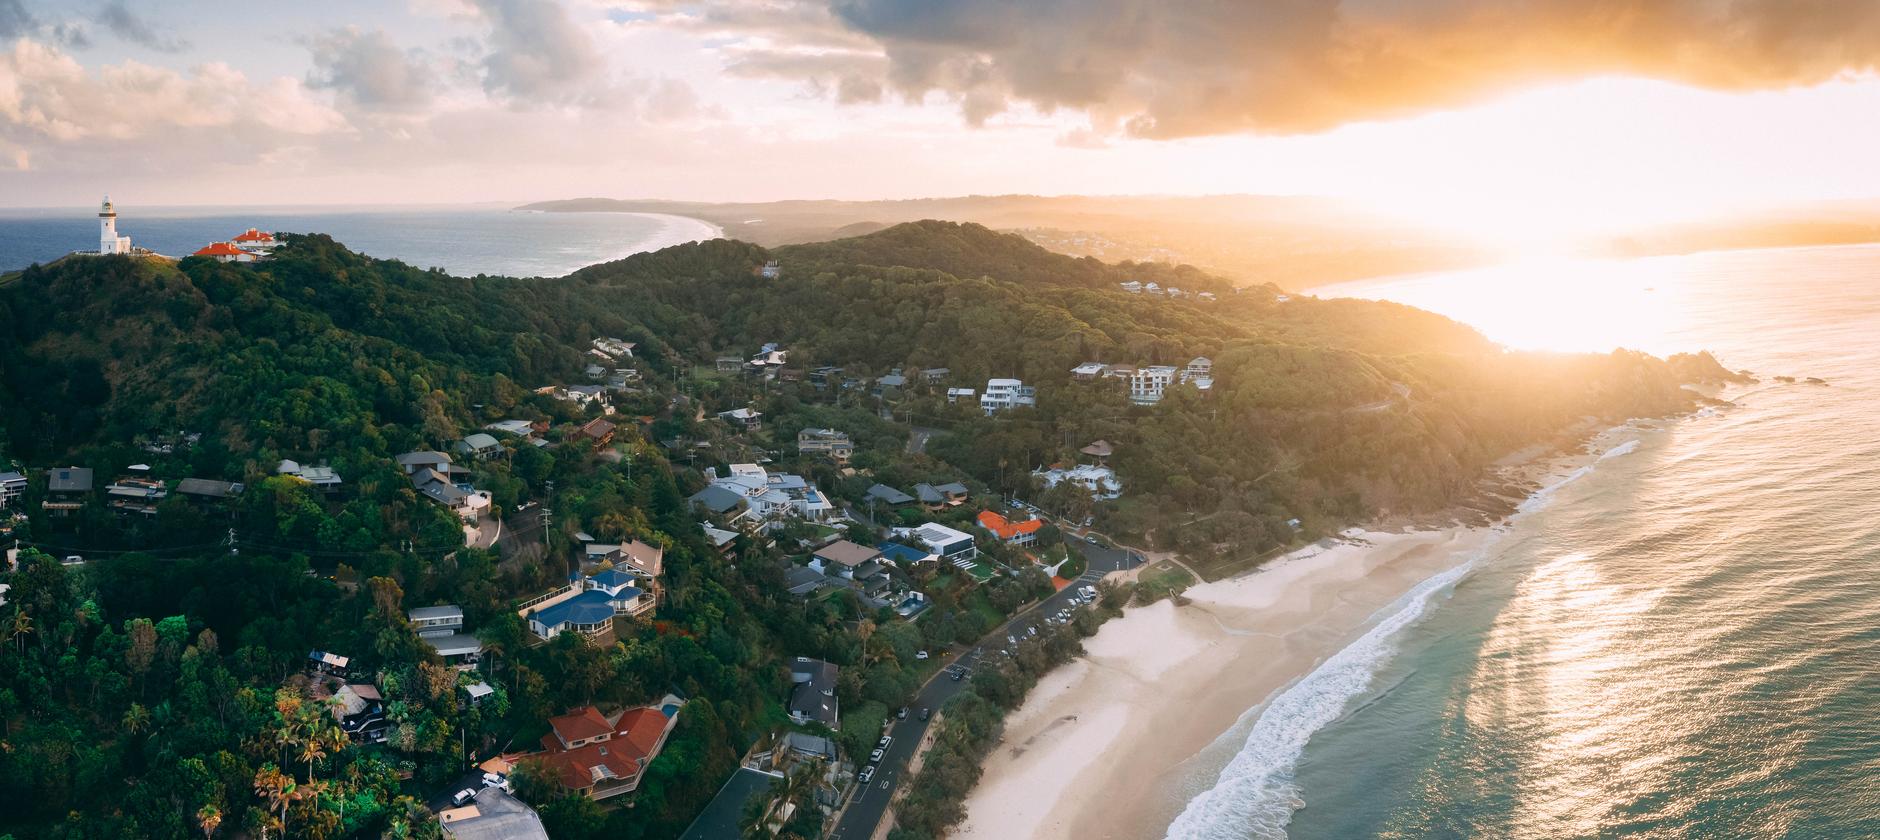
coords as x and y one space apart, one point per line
869 804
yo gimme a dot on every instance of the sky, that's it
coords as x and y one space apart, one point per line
1471 112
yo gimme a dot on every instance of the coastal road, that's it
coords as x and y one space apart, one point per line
870 803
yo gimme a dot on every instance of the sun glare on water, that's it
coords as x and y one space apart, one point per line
1558 304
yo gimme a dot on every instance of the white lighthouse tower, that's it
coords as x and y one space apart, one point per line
109 242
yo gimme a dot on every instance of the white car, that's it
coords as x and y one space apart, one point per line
463 796
885 741
866 774
921 655
875 757
496 780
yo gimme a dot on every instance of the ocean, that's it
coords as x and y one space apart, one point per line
1680 640
460 240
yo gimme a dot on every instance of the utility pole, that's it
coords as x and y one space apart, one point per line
232 549
548 516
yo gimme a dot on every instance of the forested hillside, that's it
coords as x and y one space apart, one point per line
141 694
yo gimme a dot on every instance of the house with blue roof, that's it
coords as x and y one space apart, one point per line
589 605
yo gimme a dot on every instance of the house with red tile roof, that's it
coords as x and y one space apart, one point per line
1011 533
225 252
600 756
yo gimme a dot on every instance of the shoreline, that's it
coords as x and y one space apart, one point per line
1175 689
674 230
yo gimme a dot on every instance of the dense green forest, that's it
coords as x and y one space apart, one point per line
153 692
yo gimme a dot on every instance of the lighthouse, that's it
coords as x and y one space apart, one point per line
109 242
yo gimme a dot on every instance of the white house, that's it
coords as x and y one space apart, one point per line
1002 394
956 394
1148 383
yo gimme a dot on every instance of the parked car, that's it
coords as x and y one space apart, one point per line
925 713
866 774
1011 640
885 741
1031 632
902 714
495 780
875 757
921 655
463 796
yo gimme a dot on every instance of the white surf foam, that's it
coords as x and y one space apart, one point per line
1255 795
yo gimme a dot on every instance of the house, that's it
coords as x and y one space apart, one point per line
642 560
12 487
893 382
227 253
843 558
805 745
589 605
480 446
598 756
519 428
459 650
749 420
827 442
935 376
598 433
136 493
1148 384
803 580
1206 296
951 545
952 494
67 488
771 270
813 692
1100 450
439 486
1100 481
594 373
764 496
728 364
721 539
1024 532
1199 373
930 496
330 664
956 394
494 814
1004 394
583 395
255 241
359 709
436 621
1133 287
208 490
1088 371
721 501
414 462
322 478
620 589
589 615
889 496
614 348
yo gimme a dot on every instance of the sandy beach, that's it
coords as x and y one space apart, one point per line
1115 744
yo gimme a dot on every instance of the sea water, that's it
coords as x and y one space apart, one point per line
460 240
1681 640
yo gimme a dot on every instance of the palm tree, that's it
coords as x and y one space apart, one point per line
210 818
22 625
136 718
311 750
278 789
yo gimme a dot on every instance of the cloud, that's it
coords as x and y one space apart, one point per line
122 22
367 70
47 98
1161 69
535 54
